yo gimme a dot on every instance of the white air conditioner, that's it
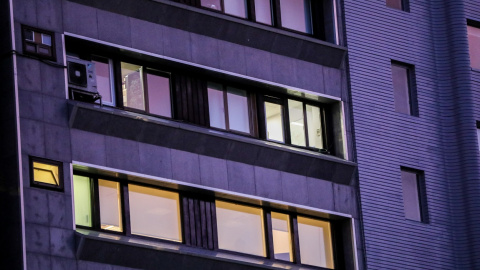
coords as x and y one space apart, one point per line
81 75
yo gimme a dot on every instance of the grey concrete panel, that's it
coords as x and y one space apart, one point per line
58 214
57 143
80 19
37 238
141 29
31 105
232 57
285 45
259 63
37 261
122 154
49 15
177 45
114 28
28 71
88 147
204 50
241 177
53 81
155 160
85 265
36 205
185 166
320 194
345 199
268 183
33 137
213 172
60 263
62 242
25 11
55 111
284 70
295 188
310 76
333 81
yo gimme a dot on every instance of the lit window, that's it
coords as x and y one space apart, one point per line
39 43
413 202
315 242
398 4
155 213
231 7
296 15
274 120
404 88
240 228
474 46
83 200
282 238
110 205
232 114
103 69
46 173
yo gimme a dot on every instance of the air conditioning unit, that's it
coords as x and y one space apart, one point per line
81 75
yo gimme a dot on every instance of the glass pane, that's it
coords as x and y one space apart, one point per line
238 118
315 242
235 7
46 173
297 127
240 228
132 86
82 200
395 4
282 244
46 40
314 124
411 200
104 87
216 106
159 95
295 15
478 138
110 205
155 213
401 89
263 13
274 119
213 4
474 46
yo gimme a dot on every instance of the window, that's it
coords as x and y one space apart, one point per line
110 205
315 242
296 15
474 46
231 7
39 43
145 89
282 237
398 4
228 108
104 76
404 88
478 135
413 195
46 173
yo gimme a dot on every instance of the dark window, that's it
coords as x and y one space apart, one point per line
39 43
398 4
413 194
474 46
46 173
404 91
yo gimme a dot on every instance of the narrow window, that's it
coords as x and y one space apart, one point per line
158 87
83 200
132 86
46 173
232 7
297 122
240 228
110 205
103 72
282 238
398 4
412 199
155 213
263 12
478 135
314 124
474 46
274 121
403 88
315 242
296 15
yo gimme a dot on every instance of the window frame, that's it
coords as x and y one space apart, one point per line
405 5
37 184
52 56
421 194
473 24
111 74
411 84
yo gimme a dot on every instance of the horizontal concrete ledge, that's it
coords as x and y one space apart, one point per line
186 137
228 28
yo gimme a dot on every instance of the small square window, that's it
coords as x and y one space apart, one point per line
46 173
39 43
414 201
405 97
474 46
398 4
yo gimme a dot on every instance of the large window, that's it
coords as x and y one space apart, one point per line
138 210
474 46
403 79
414 201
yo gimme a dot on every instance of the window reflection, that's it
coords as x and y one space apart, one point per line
274 119
282 244
474 46
238 117
132 86
110 205
154 213
401 88
263 13
213 4
104 86
235 8
240 228
295 15
314 123
83 201
216 106
158 94
297 124
315 242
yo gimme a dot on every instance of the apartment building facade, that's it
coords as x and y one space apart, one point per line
177 135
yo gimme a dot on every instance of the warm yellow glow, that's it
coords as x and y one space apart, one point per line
110 205
315 242
282 246
45 173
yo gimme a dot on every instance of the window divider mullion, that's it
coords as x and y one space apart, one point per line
225 105
305 124
323 125
96 223
277 21
295 239
286 119
145 88
251 10
117 82
269 235
126 209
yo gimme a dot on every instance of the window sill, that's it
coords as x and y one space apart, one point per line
168 133
126 251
